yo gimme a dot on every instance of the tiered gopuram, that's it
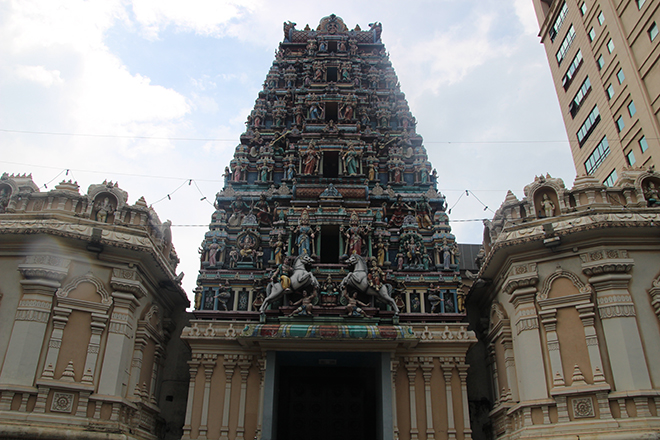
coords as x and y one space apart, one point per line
330 166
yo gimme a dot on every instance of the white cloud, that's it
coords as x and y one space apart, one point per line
525 12
39 74
200 16
447 58
98 94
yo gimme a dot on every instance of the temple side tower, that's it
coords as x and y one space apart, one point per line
328 258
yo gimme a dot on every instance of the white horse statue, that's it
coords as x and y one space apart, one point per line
358 280
300 279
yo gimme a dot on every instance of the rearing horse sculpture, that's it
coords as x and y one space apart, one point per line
358 280
300 279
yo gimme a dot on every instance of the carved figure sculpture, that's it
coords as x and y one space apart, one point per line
548 206
103 209
278 250
302 278
357 279
351 161
352 305
354 235
311 160
651 194
305 304
305 235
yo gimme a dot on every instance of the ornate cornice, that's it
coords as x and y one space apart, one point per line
606 261
45 267
521 275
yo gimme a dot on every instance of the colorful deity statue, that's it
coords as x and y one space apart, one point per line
305 235
354 235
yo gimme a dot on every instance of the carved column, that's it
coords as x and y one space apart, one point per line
394 366
261 363
427 371
520 284
42 276
447 369
510 366
587 316
492 359
549 320
116 360
229 363
208 362
244 364
462 374
411 366
193 366
60 318
608 272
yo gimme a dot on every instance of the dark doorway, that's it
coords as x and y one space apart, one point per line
330 164
326 403
332 72
331 111
330 244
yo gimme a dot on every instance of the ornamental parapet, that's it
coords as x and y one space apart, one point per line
101 217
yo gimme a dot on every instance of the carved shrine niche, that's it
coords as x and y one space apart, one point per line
546 203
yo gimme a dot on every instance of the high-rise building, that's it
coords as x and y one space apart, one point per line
604 56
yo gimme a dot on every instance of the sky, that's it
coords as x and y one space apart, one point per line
154 94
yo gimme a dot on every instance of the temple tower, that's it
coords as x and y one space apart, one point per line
329 276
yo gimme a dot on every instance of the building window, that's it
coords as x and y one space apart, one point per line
599 154
588 126
610 91
610 179
583 8
558 22
620 125
601 18
653 31
640 3
631 158
578 99
600 62
631 108
643 144
565 44
572 69
620 76
610 46
592 34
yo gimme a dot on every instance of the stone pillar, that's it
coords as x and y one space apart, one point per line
520 284
42 277
118 344
462 374
244 364
261 363
60 318
193 366
587 315
98 325
208 361
229 363
510 366
411 366
549 320
447 369
394 366
427 371
608 272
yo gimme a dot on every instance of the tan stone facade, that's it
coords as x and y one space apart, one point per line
605 61
566 306
89 300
